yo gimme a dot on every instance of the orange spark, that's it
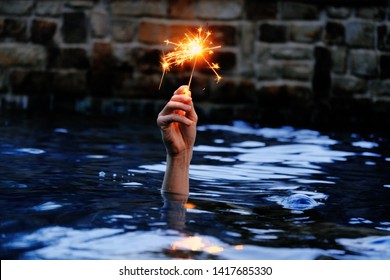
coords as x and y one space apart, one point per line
192 47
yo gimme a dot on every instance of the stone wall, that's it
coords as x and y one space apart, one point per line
284 62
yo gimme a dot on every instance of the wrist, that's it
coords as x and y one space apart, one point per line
183 158
176 178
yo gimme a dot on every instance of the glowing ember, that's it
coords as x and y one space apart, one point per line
190 49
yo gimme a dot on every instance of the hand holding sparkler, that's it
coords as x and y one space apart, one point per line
192 47
177 122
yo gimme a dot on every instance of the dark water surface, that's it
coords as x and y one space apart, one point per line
86 188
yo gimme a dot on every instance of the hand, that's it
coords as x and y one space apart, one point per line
177 122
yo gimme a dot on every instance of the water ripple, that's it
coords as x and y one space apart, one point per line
32 151
371 247
47 206
299 202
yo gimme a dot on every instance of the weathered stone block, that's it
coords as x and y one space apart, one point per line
348 85
299 92
122 54
3 80
153 32
215 9
68 58
280 96
99 22
123 30
138 87
48 8
296 10
146 61
339 12
334 33
74 27
379 88
273 90
79 3
305 33
269 71
123 74
12 54
321 81
14 28
225 92
20 7
157 8
258 10
175 32
29 82
102 73
384 64
339 60
69 84
246 92
224 35
263 53
102 55
226 60
383 35
297 70
364 63
272 33
247 46
228 91
291 53
360 34
42 31
371 12
181 9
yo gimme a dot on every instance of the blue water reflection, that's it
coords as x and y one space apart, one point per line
91 190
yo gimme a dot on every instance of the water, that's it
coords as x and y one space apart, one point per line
87 188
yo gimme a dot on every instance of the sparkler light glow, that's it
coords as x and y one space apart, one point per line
196 243
192 47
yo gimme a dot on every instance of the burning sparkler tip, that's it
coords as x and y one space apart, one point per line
192 47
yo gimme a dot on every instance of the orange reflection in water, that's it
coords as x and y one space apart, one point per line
189 205
196 243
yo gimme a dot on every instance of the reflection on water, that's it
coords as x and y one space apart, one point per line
90 189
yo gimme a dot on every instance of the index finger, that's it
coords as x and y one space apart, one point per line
183 90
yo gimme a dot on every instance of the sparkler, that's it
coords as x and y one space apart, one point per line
192 47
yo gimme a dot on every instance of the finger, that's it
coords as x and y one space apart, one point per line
191 114
173 106
181 98
168 119
184 90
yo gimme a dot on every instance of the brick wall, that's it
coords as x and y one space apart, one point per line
285 62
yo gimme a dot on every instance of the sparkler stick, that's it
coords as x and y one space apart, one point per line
192 72
192 47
